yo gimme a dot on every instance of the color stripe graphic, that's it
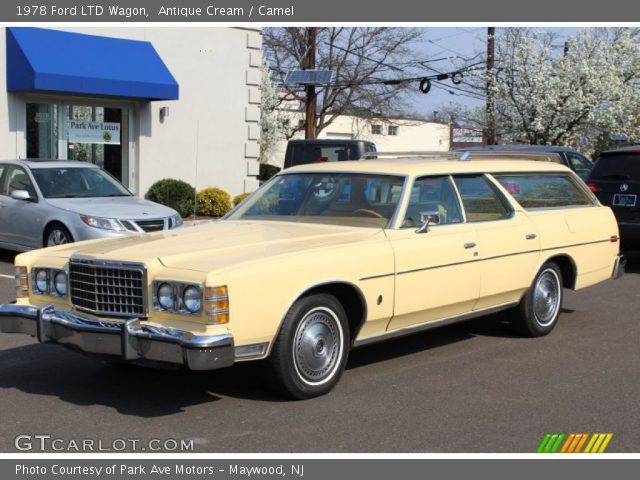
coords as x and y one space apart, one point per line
574 442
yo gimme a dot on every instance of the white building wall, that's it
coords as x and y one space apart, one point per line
413 135
210 137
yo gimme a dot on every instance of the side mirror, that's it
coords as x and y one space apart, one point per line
21 195
428 218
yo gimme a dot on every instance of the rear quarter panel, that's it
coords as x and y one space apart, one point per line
582 233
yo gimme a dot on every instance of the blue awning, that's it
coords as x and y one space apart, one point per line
42 60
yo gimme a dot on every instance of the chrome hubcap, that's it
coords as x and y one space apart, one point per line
546 298
57 237
318 346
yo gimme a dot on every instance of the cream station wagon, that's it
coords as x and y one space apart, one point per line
324 258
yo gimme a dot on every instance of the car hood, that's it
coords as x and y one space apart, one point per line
219 245
133 208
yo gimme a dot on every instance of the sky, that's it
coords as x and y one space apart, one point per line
455 41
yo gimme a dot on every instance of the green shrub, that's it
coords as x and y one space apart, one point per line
173 193
238 198
267 171
213 202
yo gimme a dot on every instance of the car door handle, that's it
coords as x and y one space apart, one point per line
2 204
531 236
469 245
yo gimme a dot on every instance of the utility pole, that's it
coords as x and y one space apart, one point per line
310 119
490 134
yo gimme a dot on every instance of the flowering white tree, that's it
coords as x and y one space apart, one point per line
546 97
274 122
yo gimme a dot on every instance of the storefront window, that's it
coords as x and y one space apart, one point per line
87 133
95 134
42 130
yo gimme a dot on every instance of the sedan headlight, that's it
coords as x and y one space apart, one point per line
175 221
177 297
50 281
103 223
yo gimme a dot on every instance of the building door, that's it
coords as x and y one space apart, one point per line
98 135
93 133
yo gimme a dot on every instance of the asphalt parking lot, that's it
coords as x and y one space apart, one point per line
472 387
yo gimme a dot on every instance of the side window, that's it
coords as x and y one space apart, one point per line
580 165
2 169
481 201
432 194
544 191
17 179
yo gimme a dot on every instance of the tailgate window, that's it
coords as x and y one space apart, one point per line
617 167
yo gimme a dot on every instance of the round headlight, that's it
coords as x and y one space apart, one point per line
192 299
165 296
41 281
60 283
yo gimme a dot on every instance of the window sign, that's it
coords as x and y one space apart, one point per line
79 131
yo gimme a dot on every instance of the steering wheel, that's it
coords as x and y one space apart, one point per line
368 212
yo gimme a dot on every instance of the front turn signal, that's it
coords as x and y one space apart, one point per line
216 305
22 282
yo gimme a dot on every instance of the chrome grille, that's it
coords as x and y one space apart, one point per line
108 288
154 225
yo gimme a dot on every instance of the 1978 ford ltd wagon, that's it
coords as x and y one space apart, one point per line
325 258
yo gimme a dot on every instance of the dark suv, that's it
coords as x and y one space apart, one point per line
615 179
571 158
301 152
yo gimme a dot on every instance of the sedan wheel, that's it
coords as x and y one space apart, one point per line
540 308
311 349
57 235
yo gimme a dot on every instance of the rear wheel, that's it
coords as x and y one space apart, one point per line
56 234
311 349
540 308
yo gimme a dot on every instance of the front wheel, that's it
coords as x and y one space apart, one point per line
57 234
311 349
540 308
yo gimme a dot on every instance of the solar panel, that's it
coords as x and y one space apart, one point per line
309 77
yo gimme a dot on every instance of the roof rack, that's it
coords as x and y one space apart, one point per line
460 155
427 154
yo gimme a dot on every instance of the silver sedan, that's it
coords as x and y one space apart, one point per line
48 203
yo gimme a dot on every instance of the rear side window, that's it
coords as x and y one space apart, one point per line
579 164
481 201
544 191
617 166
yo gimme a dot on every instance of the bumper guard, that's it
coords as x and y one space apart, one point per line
618 269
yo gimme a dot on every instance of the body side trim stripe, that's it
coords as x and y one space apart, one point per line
484 259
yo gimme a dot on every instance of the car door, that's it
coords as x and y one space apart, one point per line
508 246
21 219
436 272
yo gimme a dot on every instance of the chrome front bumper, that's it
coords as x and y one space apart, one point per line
129 340
618 269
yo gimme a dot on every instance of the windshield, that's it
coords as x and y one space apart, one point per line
365 200
77 182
